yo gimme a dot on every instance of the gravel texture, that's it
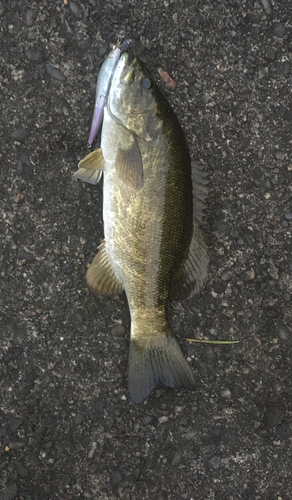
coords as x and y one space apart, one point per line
67 428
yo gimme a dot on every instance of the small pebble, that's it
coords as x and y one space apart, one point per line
271 53
97 405
272 312
208 354
162 495
227 275
10 492
257 174
150 420
177 458
266 6
283 332
253 17
33 55
196 21
244 143
288 215
55 73
102 51
226 393
25 168
76 10
115 478
20 135
78 419
284 431
214 462
219 287
20 469
285 68
250 275
24 255
274 414
118 330
14 423
211 163
278 30
273 272
189 435
14 352
78 317
30 17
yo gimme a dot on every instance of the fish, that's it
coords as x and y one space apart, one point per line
153 201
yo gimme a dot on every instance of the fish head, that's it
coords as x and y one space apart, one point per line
133 98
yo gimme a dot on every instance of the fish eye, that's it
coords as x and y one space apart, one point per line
146 83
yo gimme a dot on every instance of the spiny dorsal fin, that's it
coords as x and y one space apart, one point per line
100 276
91 167
191 276
129 165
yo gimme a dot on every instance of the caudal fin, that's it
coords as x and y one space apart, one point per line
162 362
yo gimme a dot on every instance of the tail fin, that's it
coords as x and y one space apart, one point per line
162 361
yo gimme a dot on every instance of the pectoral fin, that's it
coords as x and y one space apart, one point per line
129 164
91 167
100 276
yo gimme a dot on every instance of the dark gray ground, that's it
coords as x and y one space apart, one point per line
67 428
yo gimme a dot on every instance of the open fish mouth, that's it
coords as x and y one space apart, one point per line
103 85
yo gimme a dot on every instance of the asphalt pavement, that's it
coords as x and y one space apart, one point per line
67 428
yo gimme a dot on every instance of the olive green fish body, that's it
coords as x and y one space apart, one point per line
148 227
153 246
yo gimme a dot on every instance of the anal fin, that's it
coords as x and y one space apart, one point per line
100 276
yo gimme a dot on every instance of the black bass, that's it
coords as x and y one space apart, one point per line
153 247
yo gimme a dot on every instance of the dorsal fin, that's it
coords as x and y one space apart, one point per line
193 272
200 190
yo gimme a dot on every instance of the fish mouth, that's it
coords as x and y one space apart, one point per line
121 71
